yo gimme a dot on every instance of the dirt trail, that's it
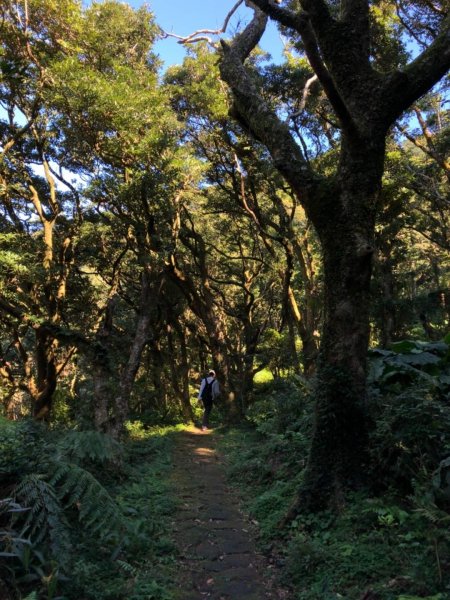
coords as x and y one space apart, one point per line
218 557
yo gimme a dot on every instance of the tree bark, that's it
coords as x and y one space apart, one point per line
46 376
140 339
387 309
251 337
342 207
102 374
180 370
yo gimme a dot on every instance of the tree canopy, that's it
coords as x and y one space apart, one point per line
283 220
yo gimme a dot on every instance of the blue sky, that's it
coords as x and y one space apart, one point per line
183 17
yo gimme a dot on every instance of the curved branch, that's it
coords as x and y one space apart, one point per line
200 34
301 23
254 114
288 18
404 87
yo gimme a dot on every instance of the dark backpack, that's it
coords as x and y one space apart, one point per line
207 391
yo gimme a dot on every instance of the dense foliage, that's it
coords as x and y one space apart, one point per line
389 541
85 517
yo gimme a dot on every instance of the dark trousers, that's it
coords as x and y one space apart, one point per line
208 407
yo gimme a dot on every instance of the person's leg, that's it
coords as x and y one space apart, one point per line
206 413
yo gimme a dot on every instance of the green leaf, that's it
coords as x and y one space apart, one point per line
405 346
422 359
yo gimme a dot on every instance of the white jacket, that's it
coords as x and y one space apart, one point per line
215 387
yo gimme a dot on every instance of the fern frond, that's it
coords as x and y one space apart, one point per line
82 446
79 489
45 520
127 568
433 514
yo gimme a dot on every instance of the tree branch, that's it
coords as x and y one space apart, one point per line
403 88
301 23
288 18
255 115
65 336
200 34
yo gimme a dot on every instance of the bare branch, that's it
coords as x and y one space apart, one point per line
305 95
20 132
201 34
428 148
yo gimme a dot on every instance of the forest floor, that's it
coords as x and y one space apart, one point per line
218 557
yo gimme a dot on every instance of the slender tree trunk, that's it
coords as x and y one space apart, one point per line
306 333
157 372
101 378
287 310
387 311
179 372
140 339
102 375
305 316
251 337
295 363
228 386
46 377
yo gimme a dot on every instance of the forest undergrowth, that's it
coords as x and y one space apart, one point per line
388 542
84 517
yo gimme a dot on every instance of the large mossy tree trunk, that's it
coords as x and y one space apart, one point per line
342 206
338 452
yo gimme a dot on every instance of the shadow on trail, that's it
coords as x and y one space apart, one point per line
217 555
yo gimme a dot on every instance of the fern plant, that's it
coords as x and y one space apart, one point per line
45 520
18 557
89 446
78 489
52 491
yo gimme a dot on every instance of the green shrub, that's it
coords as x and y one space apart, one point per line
281 405
410 437
89 447
409 386
18 443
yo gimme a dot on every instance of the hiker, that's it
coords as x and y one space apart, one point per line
209 392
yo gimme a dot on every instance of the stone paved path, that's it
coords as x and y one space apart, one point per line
217 555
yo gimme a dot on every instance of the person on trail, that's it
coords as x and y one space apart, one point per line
209 391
